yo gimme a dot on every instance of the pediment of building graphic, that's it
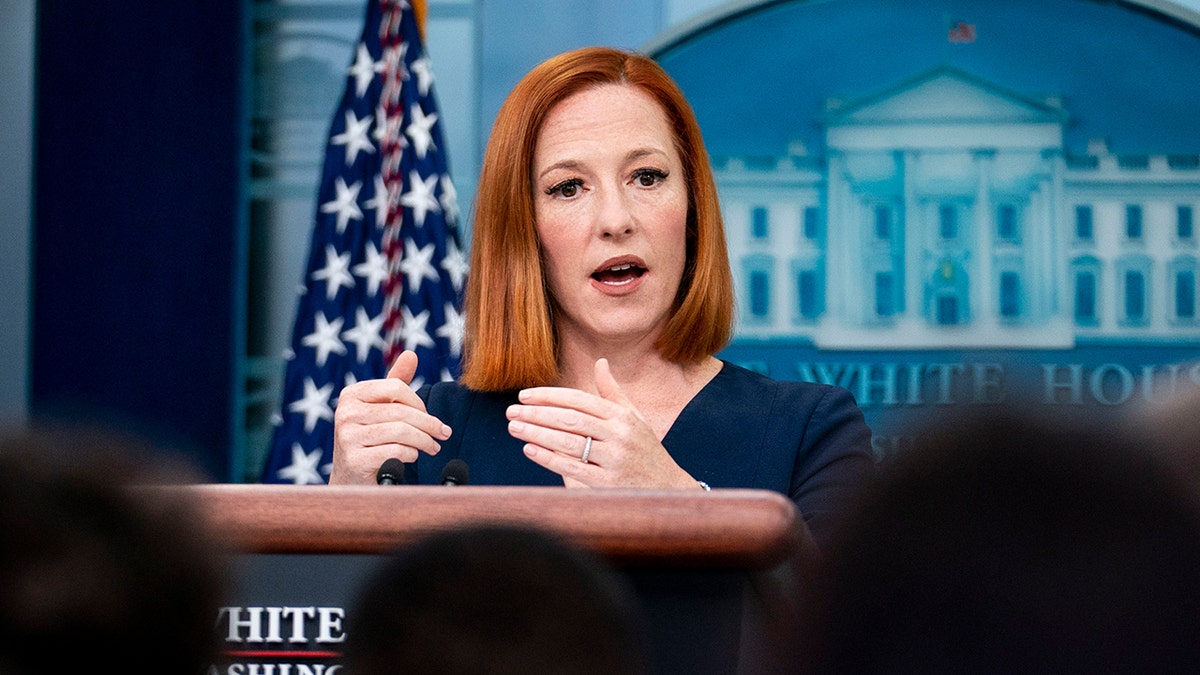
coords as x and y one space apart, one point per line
944 95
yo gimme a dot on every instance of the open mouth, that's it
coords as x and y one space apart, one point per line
619 274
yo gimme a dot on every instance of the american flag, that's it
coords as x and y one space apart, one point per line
961 32
386 267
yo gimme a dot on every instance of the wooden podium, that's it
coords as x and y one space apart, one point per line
715 570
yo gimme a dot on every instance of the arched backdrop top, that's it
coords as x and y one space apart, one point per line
759 72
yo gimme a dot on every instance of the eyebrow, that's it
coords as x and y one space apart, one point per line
630 156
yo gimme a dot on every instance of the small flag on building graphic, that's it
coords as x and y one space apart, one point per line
386 268
961 33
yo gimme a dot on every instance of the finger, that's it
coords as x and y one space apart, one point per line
563 419
368 460
563 397
386 390
354 413
404 367
570 444
563 465
398 432
607 385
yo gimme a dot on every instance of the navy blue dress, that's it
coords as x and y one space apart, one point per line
742 430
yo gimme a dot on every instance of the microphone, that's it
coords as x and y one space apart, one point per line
455 473
391 472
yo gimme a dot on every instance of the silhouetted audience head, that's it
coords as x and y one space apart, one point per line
1171 424
93 576
1005 542
496 599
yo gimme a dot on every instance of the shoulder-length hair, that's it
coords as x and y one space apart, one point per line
510 339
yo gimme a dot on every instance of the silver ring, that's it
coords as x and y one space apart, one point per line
587 450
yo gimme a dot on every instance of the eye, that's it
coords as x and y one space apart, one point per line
568 188
649 177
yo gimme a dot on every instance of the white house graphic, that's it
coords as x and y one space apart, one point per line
947 212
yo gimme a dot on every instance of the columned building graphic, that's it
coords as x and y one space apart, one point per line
946 211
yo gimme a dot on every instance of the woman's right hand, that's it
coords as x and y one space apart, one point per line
378 419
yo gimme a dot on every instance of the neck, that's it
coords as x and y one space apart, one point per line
632 364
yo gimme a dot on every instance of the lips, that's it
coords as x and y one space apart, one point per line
619 272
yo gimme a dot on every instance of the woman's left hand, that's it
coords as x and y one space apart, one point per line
556 422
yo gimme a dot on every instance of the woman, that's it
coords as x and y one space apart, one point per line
599 292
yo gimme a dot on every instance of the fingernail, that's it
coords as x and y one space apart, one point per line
512 411
530 451
446 431
523 395
516 427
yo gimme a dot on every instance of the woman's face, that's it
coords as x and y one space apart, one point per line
610 202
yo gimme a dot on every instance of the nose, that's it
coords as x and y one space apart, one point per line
615 219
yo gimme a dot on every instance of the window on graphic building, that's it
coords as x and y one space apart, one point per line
883 222
947 310
758 223
1133 221
1010 294
1185 295
1135 296
885 302
948 221
812 223
1006 223
1085 297
1083 222
808 294
760 294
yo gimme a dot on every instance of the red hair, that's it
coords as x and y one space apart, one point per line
510 339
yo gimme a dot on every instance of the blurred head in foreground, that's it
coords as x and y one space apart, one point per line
1171 425
90 570
495 599
1010 542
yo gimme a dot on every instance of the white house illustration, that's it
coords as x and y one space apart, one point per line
947 212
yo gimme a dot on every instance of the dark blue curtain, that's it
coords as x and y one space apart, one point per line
136 257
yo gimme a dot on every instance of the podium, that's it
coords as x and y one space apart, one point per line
715 571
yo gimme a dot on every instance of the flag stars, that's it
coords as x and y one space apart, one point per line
412 329
455 265
355 136
379 202
314 405
420 197
303 469
424 72
324 338
449 199
417 264
364 70
335 273
373 270
420 130
452 330
344 204
366 334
